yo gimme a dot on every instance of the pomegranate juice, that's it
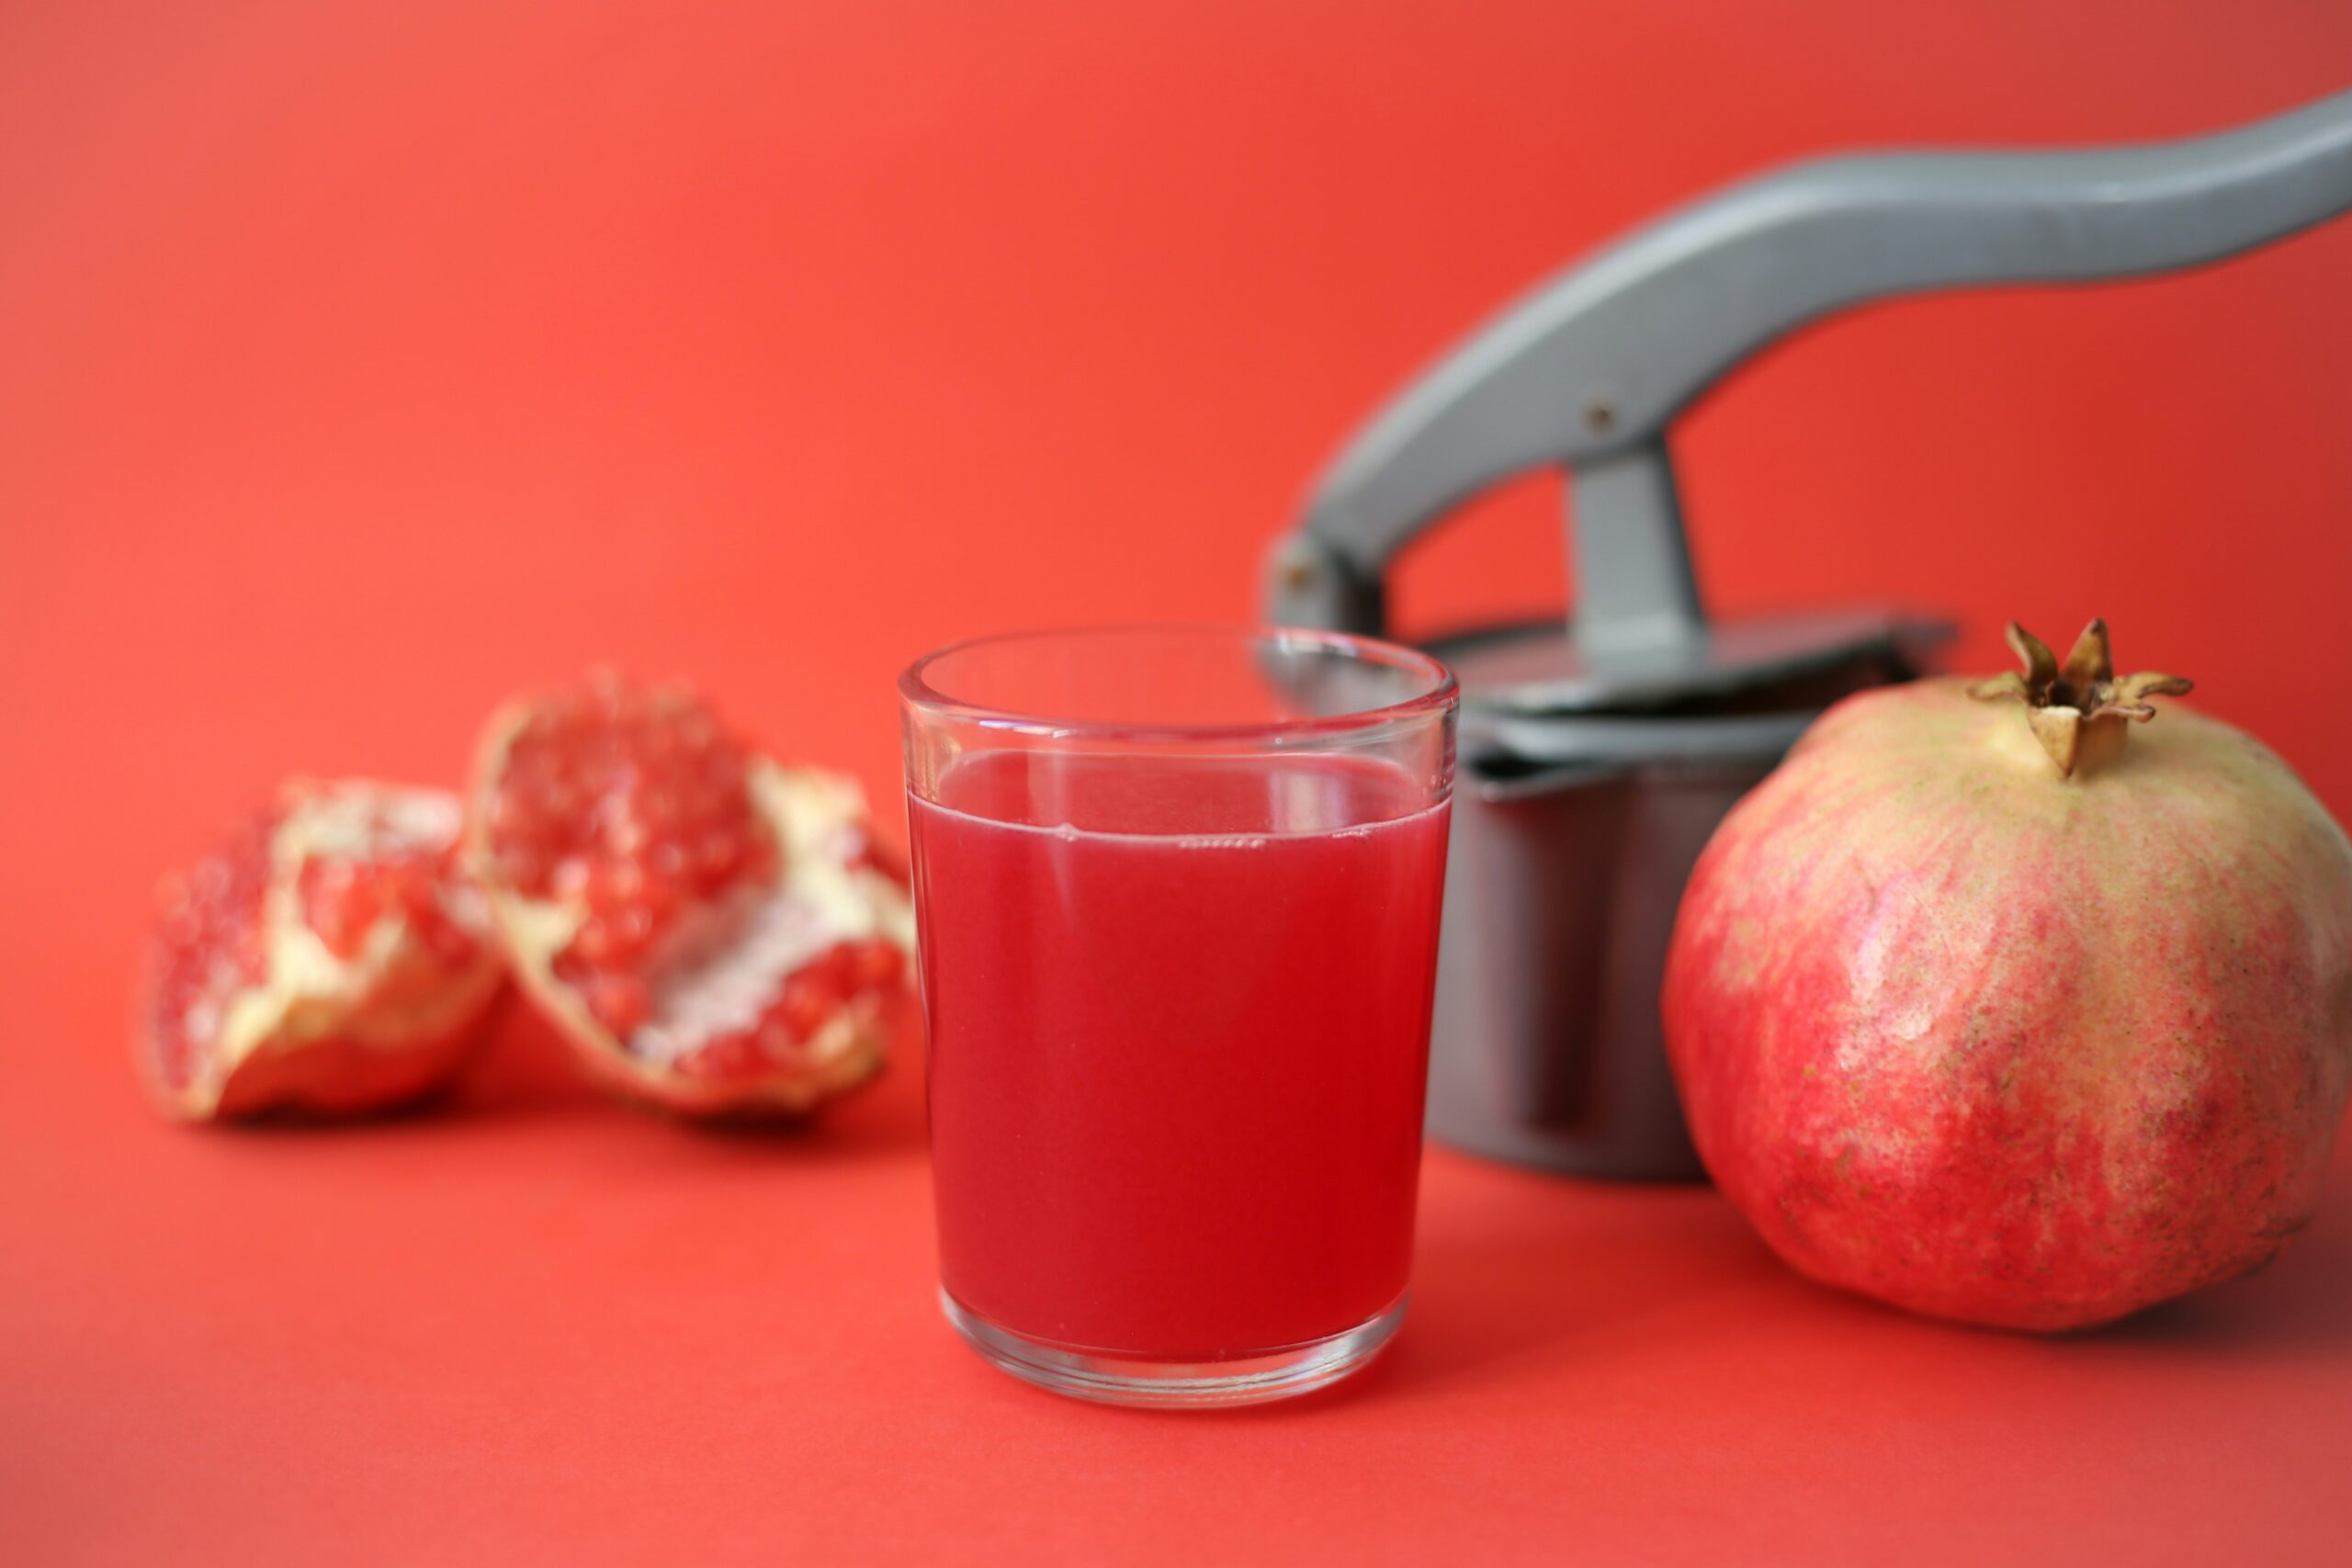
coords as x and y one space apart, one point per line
1178 1019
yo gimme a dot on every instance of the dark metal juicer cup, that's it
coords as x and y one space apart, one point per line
1597 756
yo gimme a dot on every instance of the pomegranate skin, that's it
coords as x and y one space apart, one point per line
1994 1044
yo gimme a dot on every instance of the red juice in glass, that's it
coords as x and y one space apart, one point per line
1178 992
1176 1073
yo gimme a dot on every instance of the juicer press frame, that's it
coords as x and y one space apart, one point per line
1598 755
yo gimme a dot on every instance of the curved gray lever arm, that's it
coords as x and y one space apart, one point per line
1589 370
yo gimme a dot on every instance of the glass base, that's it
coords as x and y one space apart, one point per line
1113 1379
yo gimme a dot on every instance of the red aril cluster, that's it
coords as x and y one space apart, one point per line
631 805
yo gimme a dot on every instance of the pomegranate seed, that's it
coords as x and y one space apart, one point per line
775 1038
876 964
615 881
809 998
570 879
335 905
622 1003
591 944
449 941
727 1056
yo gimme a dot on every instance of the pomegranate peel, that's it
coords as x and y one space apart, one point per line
2020 1047
327 958
710 929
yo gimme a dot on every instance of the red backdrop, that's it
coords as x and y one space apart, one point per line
359 364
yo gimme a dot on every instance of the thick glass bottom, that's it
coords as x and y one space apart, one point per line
1112 1379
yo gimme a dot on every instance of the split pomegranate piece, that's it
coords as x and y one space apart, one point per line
709 928
328 957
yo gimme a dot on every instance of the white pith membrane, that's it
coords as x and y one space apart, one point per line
718 971
394 990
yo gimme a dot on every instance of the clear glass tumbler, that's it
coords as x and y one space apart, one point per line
1178 892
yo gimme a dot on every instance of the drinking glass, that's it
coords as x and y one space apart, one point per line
1178 892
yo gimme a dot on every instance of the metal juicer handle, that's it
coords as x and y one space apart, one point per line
1589 371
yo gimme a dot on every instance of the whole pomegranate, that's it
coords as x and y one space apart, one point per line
1980 1009
328 957
710 929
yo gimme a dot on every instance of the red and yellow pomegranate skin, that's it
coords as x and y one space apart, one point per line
327 958
1982 1040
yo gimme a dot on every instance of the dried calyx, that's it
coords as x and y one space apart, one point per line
2078 710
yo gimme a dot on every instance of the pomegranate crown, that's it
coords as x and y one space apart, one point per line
2078 709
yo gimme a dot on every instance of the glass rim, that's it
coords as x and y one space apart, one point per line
1443 693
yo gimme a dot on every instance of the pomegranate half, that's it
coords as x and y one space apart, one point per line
1979 1009
712 930
327 958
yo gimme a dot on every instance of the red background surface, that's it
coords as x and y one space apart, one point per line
359 364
